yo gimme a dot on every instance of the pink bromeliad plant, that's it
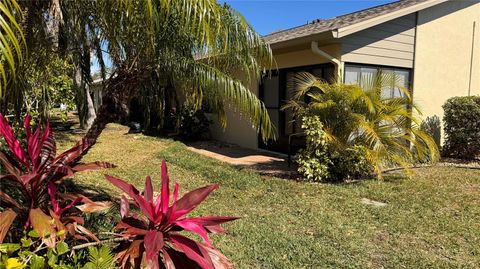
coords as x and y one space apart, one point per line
32 174
155 234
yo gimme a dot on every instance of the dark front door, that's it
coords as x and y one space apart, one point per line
274 92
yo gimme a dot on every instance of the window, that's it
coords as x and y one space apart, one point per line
275 90
362 75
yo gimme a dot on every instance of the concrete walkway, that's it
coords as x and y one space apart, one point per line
264 162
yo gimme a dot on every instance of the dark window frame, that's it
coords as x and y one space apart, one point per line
282 88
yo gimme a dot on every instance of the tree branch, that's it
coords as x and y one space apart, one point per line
108 241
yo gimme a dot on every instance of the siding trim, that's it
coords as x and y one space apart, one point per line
387 44
471 58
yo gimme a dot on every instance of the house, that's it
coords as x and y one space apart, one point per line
432 45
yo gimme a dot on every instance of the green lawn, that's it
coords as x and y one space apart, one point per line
431 221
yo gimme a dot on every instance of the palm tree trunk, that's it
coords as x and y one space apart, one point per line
91 115
119 92
80 92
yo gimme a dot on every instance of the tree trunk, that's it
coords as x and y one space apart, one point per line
91 115
80 91
56 19
119 92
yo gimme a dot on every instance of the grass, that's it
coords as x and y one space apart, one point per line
431 221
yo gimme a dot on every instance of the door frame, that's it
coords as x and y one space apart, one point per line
281 144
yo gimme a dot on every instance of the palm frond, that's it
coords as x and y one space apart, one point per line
11 40
355 116
303 82
201 77
100 258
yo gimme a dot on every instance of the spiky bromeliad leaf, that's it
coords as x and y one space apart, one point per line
156 231
36 171
11 40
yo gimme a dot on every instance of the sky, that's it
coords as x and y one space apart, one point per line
267 16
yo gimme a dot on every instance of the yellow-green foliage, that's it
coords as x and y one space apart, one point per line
387 127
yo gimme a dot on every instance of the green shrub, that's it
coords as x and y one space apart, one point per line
319 161
313 161
194 125
26 254
462 127
350 163
432 126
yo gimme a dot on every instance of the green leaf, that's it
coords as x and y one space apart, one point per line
9 247
26 242
52 258
33 234
99 258
62 248
60 233
37 262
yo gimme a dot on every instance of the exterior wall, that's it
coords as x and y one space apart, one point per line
306 57
439 49
391 44
239 129
444 54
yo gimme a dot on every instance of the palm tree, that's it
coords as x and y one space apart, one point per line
386 126
192 46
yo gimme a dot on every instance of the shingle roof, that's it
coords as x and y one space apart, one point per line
320 26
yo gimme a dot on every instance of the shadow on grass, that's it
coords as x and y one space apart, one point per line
95 194
66 137
394 178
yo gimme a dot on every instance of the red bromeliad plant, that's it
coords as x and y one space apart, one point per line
155 233
35 172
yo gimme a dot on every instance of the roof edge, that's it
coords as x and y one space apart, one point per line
348 30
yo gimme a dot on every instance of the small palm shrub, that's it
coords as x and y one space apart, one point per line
384 130
462 127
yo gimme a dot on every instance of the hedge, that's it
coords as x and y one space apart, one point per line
462 127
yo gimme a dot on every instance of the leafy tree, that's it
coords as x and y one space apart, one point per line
190 47
351 116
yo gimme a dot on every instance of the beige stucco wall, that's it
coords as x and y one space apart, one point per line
239 129
443 54
306 57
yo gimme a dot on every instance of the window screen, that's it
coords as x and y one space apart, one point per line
362 75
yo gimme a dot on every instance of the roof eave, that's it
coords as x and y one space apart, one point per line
351 29
302 40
